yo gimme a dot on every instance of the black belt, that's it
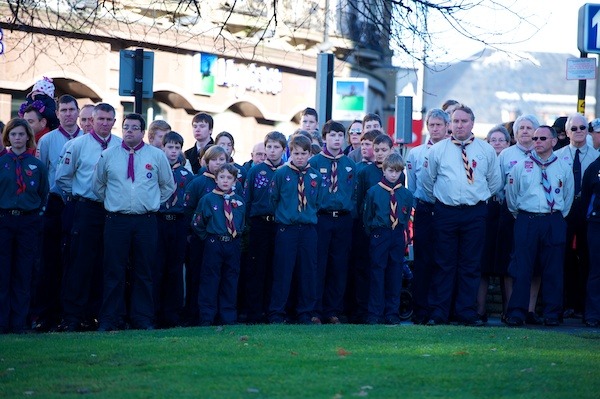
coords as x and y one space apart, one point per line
424 203
170 216
18 212
459 206
534 214
335 214
223 238
87 200
131 214
267 218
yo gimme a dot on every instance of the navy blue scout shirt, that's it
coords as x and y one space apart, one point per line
369 176
257 189
377 206
182 177
209 218
343 199
201 185
34 189
284 195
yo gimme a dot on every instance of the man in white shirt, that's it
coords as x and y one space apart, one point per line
132 180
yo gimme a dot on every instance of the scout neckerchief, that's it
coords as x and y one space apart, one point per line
21 186
301 196
463 146
334 165
173 199
386 185
545 182
130 169
526 151
67 134
270 165
103 143
227 211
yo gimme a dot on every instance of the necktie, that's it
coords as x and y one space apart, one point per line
103 143
429 143
334 164
545 181
66 134
301 197
577 172
393 203
21 186
463 146
130 169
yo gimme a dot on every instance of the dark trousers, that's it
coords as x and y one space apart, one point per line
192 279
46 301
460 235
423 246
387 257
259 274
358 274
576 264
295 247
219 280
592 302
542 238
125 237
168 273
82 280
17 258
334 237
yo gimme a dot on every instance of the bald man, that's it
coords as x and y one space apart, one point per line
258 155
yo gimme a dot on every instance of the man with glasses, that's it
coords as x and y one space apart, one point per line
578 155
132 180
539 193
524 127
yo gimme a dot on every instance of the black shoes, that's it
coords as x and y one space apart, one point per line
514 322
593 323
533 319
551 322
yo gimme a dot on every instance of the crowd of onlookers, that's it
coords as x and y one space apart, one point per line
106 232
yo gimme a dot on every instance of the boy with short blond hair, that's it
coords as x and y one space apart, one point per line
219 222
386 212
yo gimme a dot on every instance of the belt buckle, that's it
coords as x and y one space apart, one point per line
270 218
225 238
15 212
170 217
335 214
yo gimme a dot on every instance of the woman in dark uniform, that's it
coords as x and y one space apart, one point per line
23 192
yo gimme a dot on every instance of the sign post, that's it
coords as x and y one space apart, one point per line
588 41
136 75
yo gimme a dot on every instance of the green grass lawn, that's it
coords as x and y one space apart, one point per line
303 362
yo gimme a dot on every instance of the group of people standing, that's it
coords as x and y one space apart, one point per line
521 212
106 232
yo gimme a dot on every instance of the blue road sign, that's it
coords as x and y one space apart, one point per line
588 34
127 73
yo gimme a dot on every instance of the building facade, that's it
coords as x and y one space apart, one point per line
252 74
